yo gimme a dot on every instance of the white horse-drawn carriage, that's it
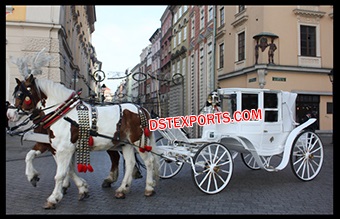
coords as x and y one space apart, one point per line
265 139
258 124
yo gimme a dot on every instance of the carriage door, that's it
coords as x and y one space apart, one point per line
272 138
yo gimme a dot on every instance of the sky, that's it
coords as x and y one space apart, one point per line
121 33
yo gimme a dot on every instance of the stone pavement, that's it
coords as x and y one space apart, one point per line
248 192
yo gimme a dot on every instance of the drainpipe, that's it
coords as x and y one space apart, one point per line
214 48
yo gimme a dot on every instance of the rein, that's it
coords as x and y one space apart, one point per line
47 120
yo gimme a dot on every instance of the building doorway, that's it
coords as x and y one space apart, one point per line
307 104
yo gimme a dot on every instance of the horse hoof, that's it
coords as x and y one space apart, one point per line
34 181
49 205
149 193
120 195
83 196
106 184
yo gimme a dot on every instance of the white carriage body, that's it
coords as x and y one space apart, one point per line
266 136
271 135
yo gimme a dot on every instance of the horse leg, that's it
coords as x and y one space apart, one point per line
83 187
63 159
129 158
31 173
113 175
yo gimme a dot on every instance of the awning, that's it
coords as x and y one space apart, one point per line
267 34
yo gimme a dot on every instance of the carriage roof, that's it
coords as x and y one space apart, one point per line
235 89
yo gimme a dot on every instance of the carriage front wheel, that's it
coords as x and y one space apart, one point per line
212 168
306 156
167 168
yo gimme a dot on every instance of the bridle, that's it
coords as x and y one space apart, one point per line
25 96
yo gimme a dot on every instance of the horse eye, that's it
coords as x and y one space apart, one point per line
18 94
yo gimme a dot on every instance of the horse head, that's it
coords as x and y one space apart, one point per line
27 95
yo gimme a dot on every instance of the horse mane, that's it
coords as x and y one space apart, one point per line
54 91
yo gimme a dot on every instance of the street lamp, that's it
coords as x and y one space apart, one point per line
102 92
330 74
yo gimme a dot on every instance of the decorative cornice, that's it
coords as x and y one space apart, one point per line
220 34
240 21
309 13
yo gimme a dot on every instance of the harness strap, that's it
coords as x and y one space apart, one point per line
50 118
119 122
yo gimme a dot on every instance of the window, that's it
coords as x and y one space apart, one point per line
249 101
221 56
193 27
241 49
270 107
178 67
183 66
175 42
202 18
210 12
308 40
329 108
229 103
179 37
184 33
241 8
210 47
221 16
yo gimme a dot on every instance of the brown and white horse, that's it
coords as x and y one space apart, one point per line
120 127
17 125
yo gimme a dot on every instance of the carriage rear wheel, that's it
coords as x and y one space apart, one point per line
212 168
306 156
167 168
249 160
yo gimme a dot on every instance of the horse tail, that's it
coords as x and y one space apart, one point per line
156 158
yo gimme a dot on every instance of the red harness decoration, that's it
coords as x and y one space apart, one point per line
146 131
50 118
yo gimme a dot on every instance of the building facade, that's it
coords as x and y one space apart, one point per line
64 32
165 68
286 48
179 61
279 47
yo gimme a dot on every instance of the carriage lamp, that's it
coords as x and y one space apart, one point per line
330 75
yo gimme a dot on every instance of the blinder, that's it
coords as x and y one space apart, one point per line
24 95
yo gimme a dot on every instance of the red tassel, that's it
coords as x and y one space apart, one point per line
84 168
89 167
146 132
148 148
90 141
141 149
80 167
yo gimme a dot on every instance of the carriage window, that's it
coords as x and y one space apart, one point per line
270 100
229 103
249 101
270 107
